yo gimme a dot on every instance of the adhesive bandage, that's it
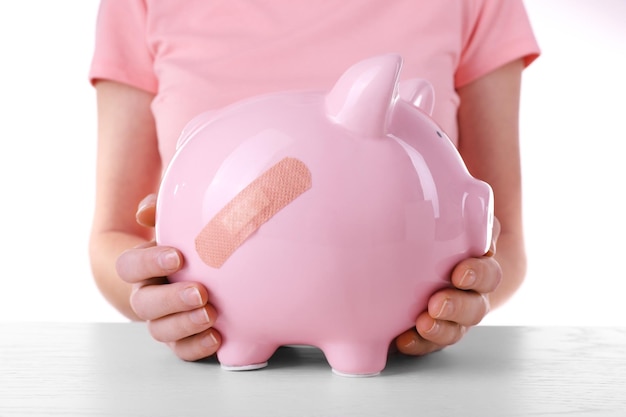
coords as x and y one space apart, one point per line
248 210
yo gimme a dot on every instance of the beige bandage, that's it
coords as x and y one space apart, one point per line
248 210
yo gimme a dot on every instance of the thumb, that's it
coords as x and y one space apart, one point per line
146 211
494 237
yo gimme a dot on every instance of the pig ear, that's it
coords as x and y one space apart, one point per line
364 94
420 93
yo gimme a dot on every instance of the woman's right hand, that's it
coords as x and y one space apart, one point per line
177 313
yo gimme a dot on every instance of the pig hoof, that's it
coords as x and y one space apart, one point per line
344 374
250 367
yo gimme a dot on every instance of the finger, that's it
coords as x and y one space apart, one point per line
411 343
198 346
151 302
439 332
140 263
495 234
182 325
466 308
146 211
478 274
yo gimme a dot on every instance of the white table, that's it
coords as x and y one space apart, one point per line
75 369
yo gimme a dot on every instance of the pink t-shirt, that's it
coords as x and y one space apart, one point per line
199 55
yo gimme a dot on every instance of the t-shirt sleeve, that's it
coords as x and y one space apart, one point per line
501 33
121 51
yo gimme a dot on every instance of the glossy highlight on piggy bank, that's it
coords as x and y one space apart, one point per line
322 218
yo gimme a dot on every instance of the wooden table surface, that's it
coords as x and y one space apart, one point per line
116 369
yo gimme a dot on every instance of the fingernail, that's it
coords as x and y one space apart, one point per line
209 340
145 202
434 328
446 309
411 343
468 279
169 260
200 316
191 296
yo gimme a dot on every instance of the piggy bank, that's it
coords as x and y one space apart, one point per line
324 219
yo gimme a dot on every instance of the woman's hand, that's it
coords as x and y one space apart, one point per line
177 313
452 311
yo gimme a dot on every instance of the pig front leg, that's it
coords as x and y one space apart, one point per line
244 355
357 359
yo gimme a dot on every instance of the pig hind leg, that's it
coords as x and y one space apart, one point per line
244 355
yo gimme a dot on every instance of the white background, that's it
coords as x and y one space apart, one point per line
572 127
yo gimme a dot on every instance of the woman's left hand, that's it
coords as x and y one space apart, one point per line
452 311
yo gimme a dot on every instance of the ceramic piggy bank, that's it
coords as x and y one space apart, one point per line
322 218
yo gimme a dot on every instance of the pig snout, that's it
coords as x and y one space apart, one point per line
478 215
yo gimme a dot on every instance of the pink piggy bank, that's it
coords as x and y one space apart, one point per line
322 218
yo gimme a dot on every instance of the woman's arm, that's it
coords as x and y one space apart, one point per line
128 168
489 143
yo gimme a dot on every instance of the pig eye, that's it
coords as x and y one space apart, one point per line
439 134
